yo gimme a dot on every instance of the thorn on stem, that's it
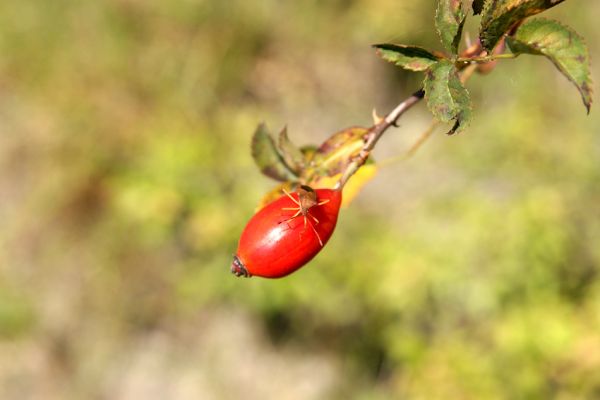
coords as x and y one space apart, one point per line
376 118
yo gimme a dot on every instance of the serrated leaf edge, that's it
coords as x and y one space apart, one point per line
265 171
507 8
558 66
457 127
378 50
457 35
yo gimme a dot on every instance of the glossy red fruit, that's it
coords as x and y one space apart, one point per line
286 234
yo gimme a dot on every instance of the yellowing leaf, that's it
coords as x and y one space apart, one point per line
357 183
337 152
353 186
275 193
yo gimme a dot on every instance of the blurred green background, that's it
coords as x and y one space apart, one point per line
467 272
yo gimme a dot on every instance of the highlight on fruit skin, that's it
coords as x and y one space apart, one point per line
287 233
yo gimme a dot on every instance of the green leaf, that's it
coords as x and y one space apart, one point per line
561 45
498 16
412 58
463 101
275 193
437 93
267 157
477 6
446 96
334 155
449 21
291 154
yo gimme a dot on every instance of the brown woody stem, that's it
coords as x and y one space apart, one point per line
375 132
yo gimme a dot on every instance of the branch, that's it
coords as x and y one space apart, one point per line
375 132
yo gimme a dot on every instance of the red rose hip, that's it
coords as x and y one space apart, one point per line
287 233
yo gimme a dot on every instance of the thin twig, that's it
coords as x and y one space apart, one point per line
484 59
426 134
375 132
466 73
